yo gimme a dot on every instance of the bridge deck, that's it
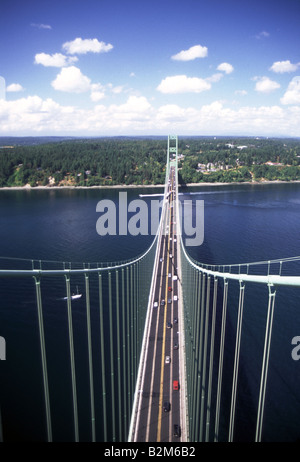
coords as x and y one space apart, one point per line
156 421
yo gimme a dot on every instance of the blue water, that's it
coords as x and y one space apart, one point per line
249 223
242 223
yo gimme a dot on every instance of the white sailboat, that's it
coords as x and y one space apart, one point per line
74 296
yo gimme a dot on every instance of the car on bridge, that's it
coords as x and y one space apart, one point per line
175 385
155 304
166 406
168 359
176 431
169 325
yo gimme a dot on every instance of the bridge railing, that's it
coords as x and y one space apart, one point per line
115 299
202 300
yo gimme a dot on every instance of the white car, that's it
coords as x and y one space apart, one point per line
167 360
155 304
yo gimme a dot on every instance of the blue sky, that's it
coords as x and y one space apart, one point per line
128 67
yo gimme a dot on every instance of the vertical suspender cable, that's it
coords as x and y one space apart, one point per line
89 335
125 369
111 358
236 361
194 343
265 365
200 348
221 358
131 333
1 432
119 357
137 312
189 342
128 342
43 355
197 363
211 360
72 359
134 304
204 358
102 357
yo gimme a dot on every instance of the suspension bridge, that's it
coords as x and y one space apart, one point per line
155 339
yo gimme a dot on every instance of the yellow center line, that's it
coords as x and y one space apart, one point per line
155 348
164 342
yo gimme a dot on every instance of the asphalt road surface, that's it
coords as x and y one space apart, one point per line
160 401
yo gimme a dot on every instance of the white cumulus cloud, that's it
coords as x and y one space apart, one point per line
97 96
71 79
33 115
83 46
226 67
292 95
97 92
14 87
55 60
265 85
284 66
197 51
183 84
134 105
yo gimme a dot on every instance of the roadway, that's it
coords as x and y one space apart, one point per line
156 422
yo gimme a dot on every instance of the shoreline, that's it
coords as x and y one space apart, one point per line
120 186
189 185
242 182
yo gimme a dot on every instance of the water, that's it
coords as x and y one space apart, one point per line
242 223
61 225
246 223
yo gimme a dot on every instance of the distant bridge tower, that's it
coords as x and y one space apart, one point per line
172 147
2 88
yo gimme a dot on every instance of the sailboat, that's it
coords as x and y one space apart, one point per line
74 296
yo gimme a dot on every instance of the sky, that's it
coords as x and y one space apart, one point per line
159 67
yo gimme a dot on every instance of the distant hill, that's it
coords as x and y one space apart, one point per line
37 140
32 140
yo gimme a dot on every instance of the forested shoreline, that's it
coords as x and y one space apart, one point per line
142 161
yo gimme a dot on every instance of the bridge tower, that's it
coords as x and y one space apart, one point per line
172 149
